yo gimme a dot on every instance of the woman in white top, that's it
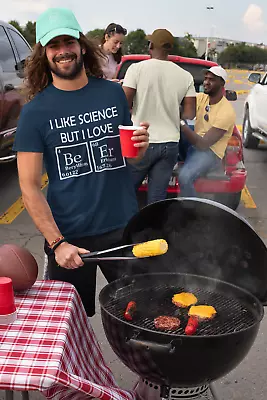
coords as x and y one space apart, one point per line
111 44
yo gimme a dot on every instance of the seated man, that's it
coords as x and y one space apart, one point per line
215 119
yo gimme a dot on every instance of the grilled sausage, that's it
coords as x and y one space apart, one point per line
191 326
166 323
130 310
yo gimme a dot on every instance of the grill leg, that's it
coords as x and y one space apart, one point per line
9 395
214 392
25 395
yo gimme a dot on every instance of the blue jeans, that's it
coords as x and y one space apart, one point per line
157 164
198 163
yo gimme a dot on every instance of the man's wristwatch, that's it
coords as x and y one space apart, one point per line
182 122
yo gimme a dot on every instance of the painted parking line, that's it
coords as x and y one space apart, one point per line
16 209
247 199
245 91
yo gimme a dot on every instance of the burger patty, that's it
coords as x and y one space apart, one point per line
166 323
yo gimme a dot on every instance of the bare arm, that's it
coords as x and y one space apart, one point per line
30 173
188 108
203 143
129 93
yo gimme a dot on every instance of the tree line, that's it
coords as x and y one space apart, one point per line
136 43
241 53
28 31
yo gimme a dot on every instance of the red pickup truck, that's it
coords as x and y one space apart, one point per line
224 185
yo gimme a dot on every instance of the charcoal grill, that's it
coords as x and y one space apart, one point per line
170 364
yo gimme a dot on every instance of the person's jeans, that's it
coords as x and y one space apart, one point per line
198 163
157 164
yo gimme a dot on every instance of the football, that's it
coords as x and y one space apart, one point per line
18 264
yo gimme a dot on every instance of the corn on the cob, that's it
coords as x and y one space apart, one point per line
152 248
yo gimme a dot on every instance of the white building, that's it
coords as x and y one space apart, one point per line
217 45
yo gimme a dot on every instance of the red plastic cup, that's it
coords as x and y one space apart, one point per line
7 300
127 144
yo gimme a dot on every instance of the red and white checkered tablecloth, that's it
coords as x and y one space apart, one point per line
51 347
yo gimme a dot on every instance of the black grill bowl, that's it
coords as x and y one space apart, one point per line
171 358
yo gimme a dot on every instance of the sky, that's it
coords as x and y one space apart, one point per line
230 19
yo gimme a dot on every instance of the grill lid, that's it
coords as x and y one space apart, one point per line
205 238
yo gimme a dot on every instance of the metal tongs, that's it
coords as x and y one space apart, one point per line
150 248
94 255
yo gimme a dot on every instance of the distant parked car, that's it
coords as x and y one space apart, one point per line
255 116
223 185
14 49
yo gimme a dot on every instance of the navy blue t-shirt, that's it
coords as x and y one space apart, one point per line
90 188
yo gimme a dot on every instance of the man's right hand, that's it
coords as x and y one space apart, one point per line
67 256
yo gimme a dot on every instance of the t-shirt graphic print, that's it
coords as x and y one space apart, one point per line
88 143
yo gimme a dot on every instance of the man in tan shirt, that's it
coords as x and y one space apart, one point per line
215 119
156 88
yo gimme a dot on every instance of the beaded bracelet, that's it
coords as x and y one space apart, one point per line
55 241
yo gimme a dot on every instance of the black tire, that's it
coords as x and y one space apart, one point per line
230 200
249 141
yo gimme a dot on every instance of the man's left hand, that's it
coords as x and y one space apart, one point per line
141 139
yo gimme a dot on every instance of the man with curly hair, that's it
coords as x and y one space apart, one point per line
71 124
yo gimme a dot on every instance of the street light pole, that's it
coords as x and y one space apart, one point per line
207 42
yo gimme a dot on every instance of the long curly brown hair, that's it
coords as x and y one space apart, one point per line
37 72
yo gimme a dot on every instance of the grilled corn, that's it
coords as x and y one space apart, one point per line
152 248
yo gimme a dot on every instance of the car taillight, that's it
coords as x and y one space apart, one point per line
234 150
234 142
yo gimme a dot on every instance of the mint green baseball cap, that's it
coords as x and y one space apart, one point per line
55 22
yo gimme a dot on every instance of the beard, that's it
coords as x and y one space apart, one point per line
71 73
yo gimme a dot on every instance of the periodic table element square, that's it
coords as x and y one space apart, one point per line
73 161
106 153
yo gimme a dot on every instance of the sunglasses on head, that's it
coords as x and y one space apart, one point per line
206 116
118 29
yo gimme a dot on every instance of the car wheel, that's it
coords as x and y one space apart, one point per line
230 200
249 141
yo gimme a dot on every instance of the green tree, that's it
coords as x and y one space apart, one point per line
241 53
135 43
16 25
29 32
96 34
185 46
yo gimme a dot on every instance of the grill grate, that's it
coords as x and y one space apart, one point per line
233 315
